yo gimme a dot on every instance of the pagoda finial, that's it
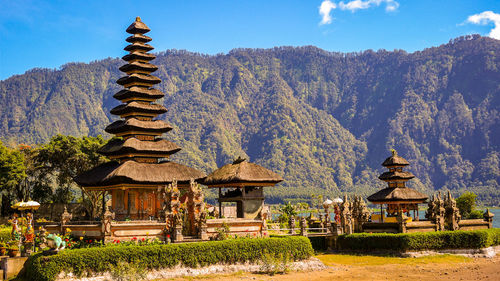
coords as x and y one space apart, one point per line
137 18
394 152
239 160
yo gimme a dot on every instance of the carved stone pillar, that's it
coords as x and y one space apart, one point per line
65 218
488 217
303 226
106 224
291 222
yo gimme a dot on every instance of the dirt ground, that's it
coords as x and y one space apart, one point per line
359 268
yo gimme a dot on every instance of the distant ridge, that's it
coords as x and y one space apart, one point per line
322 120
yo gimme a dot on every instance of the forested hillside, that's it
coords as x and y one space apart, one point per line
323 120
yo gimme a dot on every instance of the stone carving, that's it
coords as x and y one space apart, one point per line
65 218
174 221
488 217
346 216
55 242
361 214
291 222
401 218
436 211
108 217
303 226
452 213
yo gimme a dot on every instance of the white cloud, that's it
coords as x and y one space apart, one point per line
324 11
327 6
485 18
391 5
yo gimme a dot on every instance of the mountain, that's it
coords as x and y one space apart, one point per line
325 121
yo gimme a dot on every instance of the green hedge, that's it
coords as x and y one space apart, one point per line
420 241
318 243
100 259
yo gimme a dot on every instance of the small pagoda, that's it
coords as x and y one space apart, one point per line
140 167
398 198
242 182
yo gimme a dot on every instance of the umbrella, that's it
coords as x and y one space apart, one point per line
338 200
30 205
327 203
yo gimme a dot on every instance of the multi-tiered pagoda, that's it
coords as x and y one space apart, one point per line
140 166
397 196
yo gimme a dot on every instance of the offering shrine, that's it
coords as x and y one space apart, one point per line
140 168
242 182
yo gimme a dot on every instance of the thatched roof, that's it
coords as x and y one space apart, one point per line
137 125
138 92
132 172
131 145
138 38
142 67
138 27
138 56
404 175
136 77
138 46
395 160
242 171
397 194
134 106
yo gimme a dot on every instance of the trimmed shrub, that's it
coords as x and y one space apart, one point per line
102 259
420 241
318 243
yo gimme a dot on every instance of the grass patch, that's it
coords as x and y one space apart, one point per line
363 260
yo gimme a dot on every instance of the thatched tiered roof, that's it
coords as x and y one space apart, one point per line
396 175
140 152
132 172
396 178
145 108
395 160
129 146
397 194
132 124
242 172
139 93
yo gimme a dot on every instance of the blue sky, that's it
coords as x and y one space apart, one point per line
51 33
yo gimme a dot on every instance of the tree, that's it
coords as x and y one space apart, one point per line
466 203
12 174
65 157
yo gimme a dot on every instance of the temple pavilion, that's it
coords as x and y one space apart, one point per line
242 182
397 197
140 165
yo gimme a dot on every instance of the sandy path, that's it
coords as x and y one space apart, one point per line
470 269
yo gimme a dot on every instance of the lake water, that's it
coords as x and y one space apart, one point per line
496 218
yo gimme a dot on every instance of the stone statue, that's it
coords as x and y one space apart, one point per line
452 213
291 222
346 216
108 217
401 218
362 214
303 226
430 214
55 242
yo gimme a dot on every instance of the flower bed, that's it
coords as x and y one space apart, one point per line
101 259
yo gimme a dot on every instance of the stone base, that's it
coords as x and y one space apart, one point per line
12 266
